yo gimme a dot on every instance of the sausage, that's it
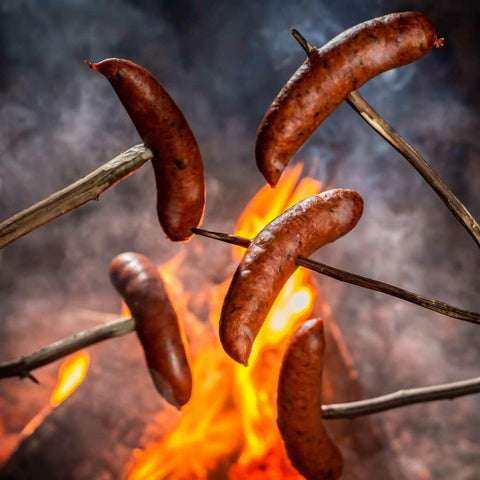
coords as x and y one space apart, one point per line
270 260
157 326
329 74
299 404
177 161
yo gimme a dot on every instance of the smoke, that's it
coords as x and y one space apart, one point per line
223 63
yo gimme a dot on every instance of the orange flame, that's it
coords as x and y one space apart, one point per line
232 412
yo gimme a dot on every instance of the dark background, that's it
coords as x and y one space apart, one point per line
223 63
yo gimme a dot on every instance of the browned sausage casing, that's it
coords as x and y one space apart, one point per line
270 261
330 73
177 161
158 329
299 402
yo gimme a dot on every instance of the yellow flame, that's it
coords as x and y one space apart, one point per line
70 376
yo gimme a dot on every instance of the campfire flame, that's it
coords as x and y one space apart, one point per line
231 416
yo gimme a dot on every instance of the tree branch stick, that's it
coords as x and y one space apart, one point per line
446 391
386 131
88 188
23 366
354 279
418 162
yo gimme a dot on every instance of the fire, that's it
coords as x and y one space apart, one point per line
70 376
231 416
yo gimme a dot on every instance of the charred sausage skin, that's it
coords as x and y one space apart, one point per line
270 261
177 161
139 283
299 402
329 74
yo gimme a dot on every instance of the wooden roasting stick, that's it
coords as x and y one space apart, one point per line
354 279
87 188
444 391
23 366
458 209
359 105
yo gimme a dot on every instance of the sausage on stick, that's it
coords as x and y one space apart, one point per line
299 402
157 325
270 261
329 74
176 161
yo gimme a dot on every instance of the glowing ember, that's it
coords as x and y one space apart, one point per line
231 416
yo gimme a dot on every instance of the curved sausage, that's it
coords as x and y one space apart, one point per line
270 260
329 74
177 162
299 402
158 329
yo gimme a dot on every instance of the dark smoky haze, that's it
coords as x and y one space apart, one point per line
223 63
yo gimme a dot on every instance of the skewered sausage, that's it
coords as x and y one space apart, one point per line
177 161
158 329
299 402
270 260
329 74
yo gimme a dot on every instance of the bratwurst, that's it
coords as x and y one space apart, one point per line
139 283
299 402
329 74
270 261
176 161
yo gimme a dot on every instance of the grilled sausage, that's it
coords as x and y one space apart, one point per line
158 329
270 260
329 74
299 402
177 162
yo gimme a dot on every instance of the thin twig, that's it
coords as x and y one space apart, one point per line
354 279
458 209
88 188
386 131
307 46
23 366
446 391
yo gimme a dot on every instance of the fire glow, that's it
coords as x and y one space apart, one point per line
229 424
